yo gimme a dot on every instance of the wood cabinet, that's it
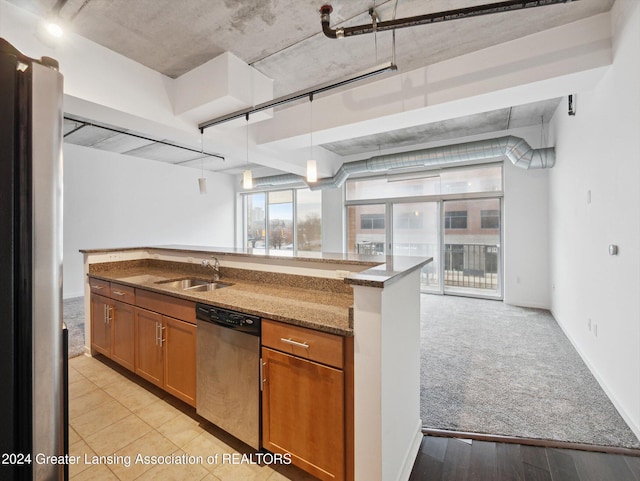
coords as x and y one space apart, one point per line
112 326
122 334
149 363
152 334
100 327
166 353
166 347
180 359
304 398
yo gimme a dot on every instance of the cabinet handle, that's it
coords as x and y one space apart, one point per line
156 333
97 288
262 378
109 311
119 293
162 340
303 345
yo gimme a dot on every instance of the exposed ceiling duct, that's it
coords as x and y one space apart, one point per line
375 26
517 150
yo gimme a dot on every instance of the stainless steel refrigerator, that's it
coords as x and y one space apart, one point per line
33 358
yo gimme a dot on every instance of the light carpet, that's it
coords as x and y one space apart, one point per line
488 367
73 313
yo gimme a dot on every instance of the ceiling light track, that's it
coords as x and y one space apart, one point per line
85 123
476 11
372 72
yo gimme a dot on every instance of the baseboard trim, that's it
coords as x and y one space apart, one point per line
547 443
412 454
601 381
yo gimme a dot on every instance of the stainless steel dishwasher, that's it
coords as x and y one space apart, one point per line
228 371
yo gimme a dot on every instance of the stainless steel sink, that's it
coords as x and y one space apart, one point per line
212 286
194 284
183 283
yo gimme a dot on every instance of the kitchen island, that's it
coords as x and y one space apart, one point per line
372 302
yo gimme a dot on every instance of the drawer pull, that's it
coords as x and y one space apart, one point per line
97 287
119 293
303 345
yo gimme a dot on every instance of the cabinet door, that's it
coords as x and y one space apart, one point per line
303 413
148 346
122 334
179 339
100 326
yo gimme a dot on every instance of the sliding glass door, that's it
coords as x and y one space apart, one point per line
472 247
416 233
452 215
366 232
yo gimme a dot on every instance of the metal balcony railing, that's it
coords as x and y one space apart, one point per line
471 265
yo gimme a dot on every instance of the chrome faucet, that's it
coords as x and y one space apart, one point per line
215 266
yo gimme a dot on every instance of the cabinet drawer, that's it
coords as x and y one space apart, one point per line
100 287
168 305
123 293
302 342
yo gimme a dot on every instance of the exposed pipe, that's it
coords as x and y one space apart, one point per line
376 25
290 180
517 150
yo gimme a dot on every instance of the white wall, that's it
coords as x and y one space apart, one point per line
599 151
113 200
525 231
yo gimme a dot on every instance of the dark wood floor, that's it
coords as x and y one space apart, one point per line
451 459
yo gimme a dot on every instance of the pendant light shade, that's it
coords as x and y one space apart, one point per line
312 171
202 185
247 180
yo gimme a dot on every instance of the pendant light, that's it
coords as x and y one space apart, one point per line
312 169
202 181
247 179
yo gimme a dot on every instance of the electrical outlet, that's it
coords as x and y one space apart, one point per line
190 260
342 274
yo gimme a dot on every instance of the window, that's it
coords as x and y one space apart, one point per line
309 220
280 234
283 222
466 180
490 219
408 220
371 221
455 219
255 228
366 229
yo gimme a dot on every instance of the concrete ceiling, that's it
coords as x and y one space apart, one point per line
494 121
280 37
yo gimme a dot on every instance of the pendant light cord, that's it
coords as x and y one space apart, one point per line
311 126
247 139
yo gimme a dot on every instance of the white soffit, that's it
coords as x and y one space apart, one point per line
219 86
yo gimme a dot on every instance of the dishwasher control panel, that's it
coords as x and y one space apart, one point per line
227 318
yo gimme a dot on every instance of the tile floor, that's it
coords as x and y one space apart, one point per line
112 413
